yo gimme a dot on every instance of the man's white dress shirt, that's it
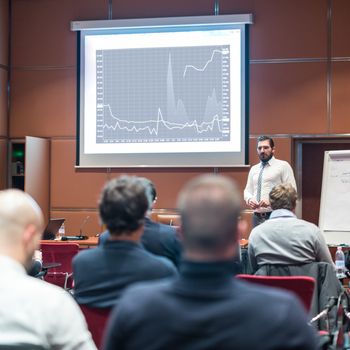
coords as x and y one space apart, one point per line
275 173
33 311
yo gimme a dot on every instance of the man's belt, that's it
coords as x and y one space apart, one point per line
262 214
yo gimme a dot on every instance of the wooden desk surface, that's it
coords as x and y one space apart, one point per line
84 243
93 242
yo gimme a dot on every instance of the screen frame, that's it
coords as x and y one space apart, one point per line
145 160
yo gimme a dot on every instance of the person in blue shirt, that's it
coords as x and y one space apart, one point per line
157 238
101 274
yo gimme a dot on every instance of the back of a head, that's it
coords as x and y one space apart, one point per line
123 205
150 190
283 196
18 210
210 207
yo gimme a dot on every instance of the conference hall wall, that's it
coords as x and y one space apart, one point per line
299 73
4 67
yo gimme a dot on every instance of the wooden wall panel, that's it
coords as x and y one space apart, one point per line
340 28
3 102
4 31
75 220
161 8
238 7
168 182
288 98
340 97
46 24
239 175
71 188
284 29
3 164
43 103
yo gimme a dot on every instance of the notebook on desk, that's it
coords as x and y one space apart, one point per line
52 228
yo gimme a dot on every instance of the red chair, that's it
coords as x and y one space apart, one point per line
302 286
96 319
62 253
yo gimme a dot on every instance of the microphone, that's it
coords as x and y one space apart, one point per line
79 237
331 302
83 224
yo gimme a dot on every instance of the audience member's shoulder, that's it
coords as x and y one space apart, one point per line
87 254
47 292
310 225
158 261
103 237
255 232
167 229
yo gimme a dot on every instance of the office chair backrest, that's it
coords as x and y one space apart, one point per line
62 253
301 286
96 319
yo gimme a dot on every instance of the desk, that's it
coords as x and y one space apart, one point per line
91 242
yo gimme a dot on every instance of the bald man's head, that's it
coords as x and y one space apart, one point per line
21 223
210 207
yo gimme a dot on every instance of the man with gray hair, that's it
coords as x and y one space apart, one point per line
33 314
206 308
284 239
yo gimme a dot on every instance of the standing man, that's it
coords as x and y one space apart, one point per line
263 177
205 307
33 313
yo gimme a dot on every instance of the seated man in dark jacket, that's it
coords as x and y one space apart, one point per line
101 274
157 238
206 308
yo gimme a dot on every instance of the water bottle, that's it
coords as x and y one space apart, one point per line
340 263
61 232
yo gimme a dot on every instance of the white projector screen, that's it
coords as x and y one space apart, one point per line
166 92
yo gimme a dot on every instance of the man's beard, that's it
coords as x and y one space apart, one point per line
265 160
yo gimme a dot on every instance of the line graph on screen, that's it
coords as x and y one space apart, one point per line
152 95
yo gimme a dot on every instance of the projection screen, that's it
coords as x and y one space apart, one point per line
162 92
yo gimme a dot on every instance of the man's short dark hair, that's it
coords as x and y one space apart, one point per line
209 207
123 205
283 196
264 138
